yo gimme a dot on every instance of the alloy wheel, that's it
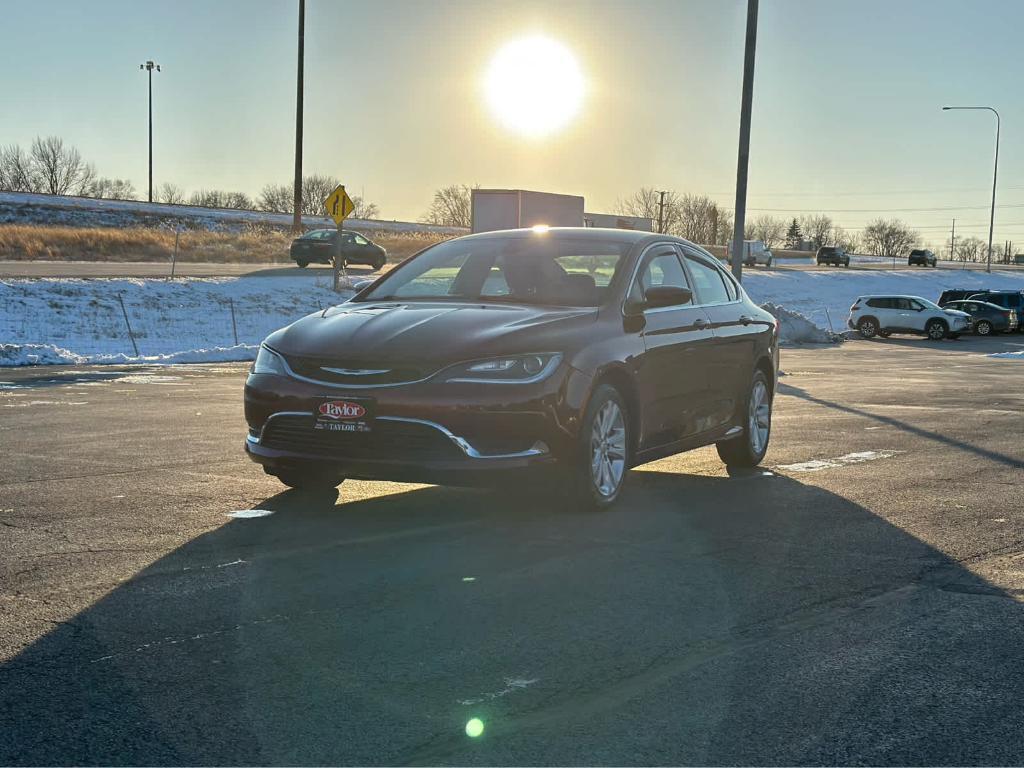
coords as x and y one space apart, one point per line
759 418
983 328
608 449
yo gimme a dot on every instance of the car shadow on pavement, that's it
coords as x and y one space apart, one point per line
743 619
952 442
314 270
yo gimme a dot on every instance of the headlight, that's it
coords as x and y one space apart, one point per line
515 369
268 361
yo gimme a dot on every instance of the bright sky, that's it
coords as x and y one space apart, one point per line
847 99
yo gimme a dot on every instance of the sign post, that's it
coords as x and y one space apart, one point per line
339 206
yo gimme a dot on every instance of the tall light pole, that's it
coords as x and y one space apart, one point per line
297 214
661 212
744 151
995 173
149 66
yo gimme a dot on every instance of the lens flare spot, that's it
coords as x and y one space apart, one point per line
475 728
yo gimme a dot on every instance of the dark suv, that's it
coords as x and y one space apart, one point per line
571 353
922 257
834 255
1006 299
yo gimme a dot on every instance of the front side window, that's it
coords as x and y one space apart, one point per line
360 240
661 269
709 282
542 268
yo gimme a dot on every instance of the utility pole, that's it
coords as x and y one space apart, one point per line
952 243
661 212
995 174
149 66
743 159
297 216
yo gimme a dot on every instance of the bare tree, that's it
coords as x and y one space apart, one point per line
768 230
645 203
818 229
971 249
170 193
451 207
216 198
888 238
114 189
16 171
315 189
60 170
698 219
848 241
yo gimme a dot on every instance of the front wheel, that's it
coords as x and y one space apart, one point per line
602 459
936 330
378 265
302 264
749 449
868 327
846 263
983 328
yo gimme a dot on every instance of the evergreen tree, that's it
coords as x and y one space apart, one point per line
793 235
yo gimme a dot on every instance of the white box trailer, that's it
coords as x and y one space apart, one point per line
617 221
494 209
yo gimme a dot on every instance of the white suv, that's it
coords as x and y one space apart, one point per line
882 315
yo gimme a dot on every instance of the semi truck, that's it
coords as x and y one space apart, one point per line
494 209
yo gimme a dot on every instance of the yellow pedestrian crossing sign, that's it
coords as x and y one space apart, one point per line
339 205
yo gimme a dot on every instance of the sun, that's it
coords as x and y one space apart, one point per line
534 86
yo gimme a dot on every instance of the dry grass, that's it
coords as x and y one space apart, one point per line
20 242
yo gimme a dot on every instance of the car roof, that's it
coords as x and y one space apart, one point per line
892 296
586 233
975 301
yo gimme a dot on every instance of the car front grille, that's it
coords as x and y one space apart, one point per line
388 441
356 372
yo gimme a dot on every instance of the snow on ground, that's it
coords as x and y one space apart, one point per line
76 321
31 208
825 297
1009 355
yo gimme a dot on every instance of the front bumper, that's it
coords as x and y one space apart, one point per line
457 434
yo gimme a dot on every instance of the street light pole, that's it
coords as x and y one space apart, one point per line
743 160
661 212
995 174
149 66
297 198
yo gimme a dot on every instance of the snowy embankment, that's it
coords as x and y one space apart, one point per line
75 321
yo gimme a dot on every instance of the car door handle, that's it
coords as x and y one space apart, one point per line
700 322
745 320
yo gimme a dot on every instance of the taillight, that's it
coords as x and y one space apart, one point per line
856 305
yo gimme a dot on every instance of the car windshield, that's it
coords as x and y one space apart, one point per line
541 269
929 304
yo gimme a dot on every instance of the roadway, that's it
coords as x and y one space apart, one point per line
857 600
97 269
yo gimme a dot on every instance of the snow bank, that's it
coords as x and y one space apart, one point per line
1009 355
71 321
794 328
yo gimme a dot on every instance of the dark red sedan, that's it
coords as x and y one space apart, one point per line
566 353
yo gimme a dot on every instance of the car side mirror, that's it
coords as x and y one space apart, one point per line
666 296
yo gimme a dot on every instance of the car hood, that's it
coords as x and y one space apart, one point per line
429 331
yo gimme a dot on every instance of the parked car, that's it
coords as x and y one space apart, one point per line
885 315
956 294
1006 299
986 318
571 353
320 245
922 257
834 255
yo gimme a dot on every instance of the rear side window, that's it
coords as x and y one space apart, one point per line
881 303
709 282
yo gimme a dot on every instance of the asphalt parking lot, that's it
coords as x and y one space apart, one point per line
856 600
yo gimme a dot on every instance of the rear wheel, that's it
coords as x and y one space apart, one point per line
846 263
885 334
378 264
983 328
748 449
936 330
305 480
302 264
602 461
867 327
